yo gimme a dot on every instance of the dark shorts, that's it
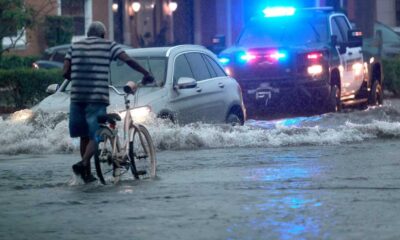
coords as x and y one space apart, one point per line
83 118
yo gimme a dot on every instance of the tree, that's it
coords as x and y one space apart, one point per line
16 16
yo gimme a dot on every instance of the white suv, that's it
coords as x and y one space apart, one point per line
191 86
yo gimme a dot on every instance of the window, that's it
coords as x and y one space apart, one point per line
122 73
198 66
336 31
209 67
264 32
344 27
182 68
19 39
216 67
75 9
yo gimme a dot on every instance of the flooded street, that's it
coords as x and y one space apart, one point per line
335 176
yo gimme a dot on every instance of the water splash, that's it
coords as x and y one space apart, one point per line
45 133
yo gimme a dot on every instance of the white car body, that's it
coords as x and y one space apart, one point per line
183 99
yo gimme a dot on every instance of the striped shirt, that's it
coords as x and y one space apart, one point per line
90 68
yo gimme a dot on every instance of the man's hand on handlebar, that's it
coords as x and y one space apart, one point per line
147 79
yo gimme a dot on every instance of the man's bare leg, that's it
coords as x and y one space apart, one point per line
87 150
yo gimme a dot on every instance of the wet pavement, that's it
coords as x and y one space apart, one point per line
331 176
349 191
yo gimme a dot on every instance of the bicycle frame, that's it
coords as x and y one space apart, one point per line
134 151
129 128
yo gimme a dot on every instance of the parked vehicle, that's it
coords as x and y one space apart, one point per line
190 86
385 43
52 58
302 58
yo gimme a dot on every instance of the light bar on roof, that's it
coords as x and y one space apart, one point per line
279 11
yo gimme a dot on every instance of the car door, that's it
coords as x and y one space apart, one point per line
223 96
209 87
188 103
350 57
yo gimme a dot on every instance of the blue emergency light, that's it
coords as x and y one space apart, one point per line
279 11
224 60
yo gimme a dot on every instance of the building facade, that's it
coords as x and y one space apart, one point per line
145 23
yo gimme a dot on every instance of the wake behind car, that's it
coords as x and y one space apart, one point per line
191 86
302 58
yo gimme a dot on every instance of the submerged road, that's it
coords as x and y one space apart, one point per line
347 191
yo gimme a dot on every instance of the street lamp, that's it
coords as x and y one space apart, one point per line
136 6
115 7
173 6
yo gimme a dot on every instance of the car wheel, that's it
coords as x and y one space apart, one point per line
167 118
376 94
234 120
333 102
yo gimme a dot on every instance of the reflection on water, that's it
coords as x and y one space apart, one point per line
286 215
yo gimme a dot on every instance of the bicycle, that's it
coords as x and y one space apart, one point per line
137 152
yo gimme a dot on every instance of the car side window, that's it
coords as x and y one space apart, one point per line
209 67
344 27
182 68
336 31
217 68
198 66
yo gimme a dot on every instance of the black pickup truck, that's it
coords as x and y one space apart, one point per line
302 58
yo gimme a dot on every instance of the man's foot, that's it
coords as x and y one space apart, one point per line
78 168
89 178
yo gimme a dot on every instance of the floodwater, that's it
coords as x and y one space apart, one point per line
334 176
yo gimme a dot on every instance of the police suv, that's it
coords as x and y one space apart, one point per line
302 58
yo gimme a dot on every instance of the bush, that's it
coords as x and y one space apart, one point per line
13 61
58 30
22 88
391 71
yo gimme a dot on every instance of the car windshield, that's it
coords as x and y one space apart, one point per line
122 73
297 30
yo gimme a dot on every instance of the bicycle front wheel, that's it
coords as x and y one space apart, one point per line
103 157
142 153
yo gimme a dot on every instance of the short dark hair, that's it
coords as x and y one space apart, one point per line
96 29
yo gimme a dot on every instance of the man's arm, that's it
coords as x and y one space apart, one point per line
67 69
133 64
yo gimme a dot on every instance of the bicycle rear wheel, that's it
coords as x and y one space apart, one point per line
142 154
106 167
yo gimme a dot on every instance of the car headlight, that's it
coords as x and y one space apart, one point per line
21 116
140 114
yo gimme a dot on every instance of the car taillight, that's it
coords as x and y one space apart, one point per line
311 63
315 56
314 70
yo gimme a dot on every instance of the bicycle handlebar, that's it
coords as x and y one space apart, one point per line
116 90
138 85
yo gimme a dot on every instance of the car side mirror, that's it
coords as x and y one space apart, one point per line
186 82
52 88
335 43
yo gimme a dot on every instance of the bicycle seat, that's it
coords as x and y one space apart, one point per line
111 118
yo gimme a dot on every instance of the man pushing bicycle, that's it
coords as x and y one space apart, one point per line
87 65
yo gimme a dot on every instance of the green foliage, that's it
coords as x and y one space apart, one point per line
14 15
14 61
22 88
58 30
391 70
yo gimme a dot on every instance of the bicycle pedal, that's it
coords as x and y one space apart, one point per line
142 157
143 172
